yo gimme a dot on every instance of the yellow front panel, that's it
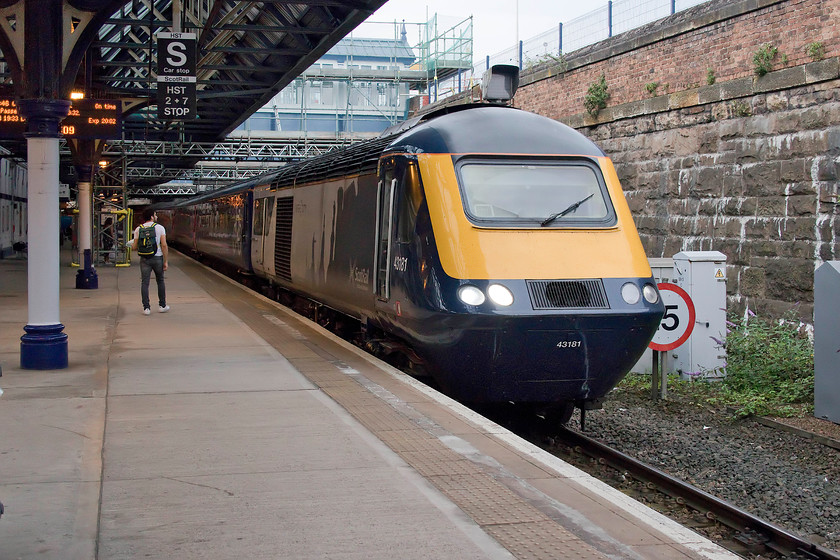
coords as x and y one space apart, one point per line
469 252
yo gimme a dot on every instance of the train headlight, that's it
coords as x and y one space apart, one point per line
470 295
630 292
650 294
500 295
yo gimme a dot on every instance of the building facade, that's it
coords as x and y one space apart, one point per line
359 87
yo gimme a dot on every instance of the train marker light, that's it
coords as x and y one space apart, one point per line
650 293
500 295
470 295
630 293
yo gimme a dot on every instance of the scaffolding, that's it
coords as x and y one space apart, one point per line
112 234
112 219
447 48
367 81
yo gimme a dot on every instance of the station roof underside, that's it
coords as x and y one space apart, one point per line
247 51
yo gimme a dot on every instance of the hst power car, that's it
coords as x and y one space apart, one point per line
491 246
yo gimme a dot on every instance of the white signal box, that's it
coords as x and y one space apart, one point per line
702 274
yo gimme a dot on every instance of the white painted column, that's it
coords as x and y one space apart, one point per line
85 233
44 346
43 212
86 277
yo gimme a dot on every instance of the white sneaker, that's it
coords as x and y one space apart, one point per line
146 311
163 309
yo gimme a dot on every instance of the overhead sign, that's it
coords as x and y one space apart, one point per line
176 97
176 54
88 119
93 118
678 321
12 123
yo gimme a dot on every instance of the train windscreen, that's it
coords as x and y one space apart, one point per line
534 194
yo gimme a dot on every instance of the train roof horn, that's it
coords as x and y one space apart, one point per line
499 83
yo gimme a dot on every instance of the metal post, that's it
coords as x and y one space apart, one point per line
560 42
658 377
663 376
86 277
673 7
520 54
176 16
609 17
654 376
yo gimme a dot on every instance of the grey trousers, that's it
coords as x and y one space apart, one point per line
147 265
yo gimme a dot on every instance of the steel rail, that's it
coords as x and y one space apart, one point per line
753 529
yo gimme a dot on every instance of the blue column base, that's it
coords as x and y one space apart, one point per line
87 279
43 347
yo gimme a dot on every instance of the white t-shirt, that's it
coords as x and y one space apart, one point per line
159 231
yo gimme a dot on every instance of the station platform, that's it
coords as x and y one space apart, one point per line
232 428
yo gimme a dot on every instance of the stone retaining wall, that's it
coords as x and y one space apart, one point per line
747 165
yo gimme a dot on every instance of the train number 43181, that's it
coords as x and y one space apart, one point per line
569 344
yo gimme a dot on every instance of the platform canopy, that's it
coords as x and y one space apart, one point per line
247 51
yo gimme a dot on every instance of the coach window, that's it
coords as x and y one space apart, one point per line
258 216
269 210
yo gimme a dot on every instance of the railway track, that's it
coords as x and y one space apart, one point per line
747 534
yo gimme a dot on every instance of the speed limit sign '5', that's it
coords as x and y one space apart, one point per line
678 321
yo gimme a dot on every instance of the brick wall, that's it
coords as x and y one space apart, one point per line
746 166
677 52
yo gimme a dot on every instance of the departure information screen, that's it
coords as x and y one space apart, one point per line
88 119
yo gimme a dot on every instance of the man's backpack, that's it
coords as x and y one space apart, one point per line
147 241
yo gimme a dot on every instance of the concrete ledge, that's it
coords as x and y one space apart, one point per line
801 433
779 80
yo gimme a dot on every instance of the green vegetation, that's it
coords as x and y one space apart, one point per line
816 51
547 58
741 108
651 88
596 97
710 76
763 59
769 371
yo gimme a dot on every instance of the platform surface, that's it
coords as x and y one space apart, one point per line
232 428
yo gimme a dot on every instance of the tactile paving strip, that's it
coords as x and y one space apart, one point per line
540 540
517 525
487 501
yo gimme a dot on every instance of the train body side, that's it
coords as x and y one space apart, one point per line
319 241
222 228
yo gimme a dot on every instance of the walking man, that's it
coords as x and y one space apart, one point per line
150 243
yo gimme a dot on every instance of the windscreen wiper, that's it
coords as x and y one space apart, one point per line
571 208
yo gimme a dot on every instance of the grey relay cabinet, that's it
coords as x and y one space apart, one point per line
702 274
